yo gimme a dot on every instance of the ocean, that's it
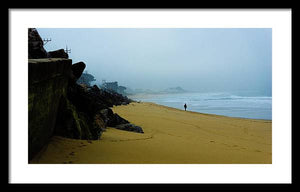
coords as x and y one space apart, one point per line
227 104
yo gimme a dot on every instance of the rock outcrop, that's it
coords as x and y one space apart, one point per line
130 127
48 81
71 123
78 116
77 69
35 45
59 106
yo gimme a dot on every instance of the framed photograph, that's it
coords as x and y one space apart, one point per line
150 96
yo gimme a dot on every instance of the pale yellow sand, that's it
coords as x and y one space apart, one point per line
171 136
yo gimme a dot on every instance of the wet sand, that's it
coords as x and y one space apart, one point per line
171 136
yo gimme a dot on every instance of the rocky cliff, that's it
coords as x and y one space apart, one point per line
48 81
57 105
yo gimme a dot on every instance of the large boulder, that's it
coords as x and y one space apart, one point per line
35 45
116 120
76 72
130 127
78 68
60 53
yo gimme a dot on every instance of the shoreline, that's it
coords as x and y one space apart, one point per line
171 136
212 114
228 105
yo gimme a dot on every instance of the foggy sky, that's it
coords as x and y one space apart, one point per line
206 60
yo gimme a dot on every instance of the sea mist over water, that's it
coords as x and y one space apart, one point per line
252 107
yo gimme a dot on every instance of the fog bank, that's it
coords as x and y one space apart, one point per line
205 60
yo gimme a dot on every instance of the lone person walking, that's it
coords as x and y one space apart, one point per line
185 106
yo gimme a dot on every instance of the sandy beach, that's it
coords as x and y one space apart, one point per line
171 136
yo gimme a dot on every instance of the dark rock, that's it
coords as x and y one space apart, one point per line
35 45
112 98
112 119
71 123
47 82
98 126
86 126
130 127
85 100
74 124
89 120
40 70
95 103
77 69
106 114
116 120
76 72
67 124
60 53
58 106
92 100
